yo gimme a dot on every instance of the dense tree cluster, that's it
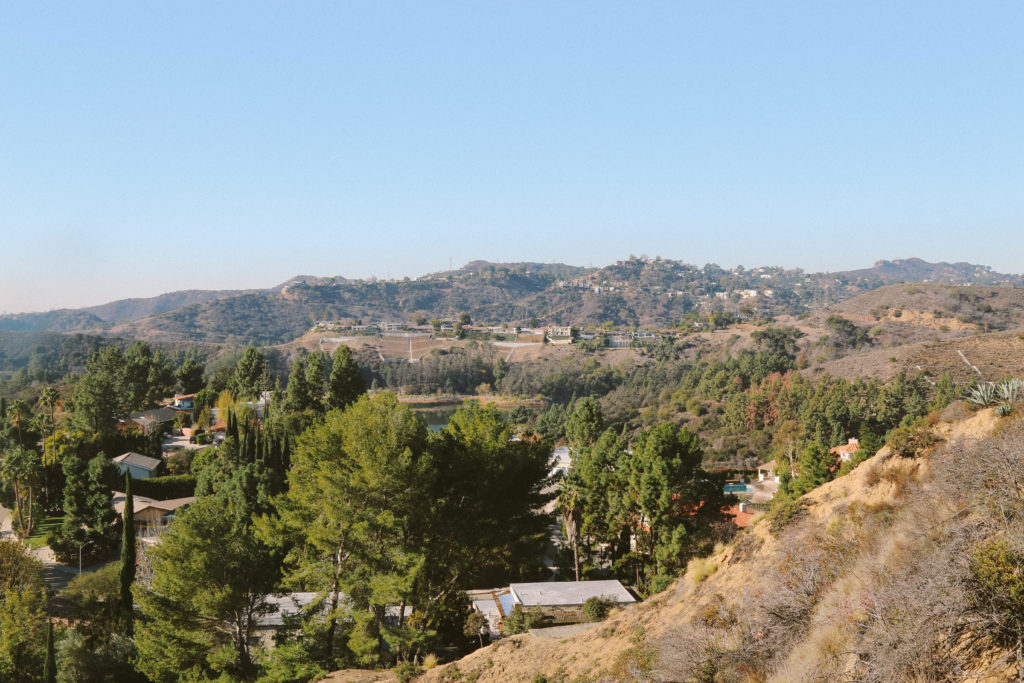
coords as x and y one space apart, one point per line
389 524
648 504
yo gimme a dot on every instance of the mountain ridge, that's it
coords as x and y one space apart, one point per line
635 292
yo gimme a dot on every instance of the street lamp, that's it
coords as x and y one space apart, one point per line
80 546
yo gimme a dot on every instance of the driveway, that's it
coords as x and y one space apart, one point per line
56 575
172 442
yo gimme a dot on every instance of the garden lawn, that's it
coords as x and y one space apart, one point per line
39 537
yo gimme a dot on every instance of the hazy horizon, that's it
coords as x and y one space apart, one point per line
264 286
153 148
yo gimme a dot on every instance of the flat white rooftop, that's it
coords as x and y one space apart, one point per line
552 593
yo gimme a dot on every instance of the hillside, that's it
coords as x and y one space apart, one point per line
958 308
917 270
638 292
104 315
62 320
868 578
126 310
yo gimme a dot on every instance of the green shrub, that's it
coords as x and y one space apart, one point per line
521 621
783 513
906 441
165 488
696 407
598 608
998 582
406 671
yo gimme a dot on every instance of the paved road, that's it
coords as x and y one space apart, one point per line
56 575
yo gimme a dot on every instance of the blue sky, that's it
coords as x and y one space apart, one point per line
147 147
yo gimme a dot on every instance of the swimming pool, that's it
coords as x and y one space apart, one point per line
737 488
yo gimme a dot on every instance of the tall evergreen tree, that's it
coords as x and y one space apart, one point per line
211 579
50 663
247 381
190 376
585 424
99 396
355 503
297 396
316 380
88 518
346 384
128 554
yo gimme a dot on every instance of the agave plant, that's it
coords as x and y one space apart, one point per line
1004 410
982 395
1011 390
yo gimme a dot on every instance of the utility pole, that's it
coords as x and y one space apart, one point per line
80 546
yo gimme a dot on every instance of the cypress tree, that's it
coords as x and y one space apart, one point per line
128 553
50 665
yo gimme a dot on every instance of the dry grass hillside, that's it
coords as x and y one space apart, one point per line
868 578
943 307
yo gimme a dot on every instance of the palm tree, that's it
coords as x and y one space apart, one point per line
49 399
570 507
17 413
20 471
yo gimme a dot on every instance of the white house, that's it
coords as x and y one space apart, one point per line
568 593
559 331
141 466
561 602
184 401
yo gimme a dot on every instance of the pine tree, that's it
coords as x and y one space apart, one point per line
346 384
585 424
316 381
128 554
297 394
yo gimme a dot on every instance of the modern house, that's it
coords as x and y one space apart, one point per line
140 466
561 602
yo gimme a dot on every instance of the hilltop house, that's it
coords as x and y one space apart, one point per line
846 451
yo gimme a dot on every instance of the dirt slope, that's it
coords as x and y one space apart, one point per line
842 534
